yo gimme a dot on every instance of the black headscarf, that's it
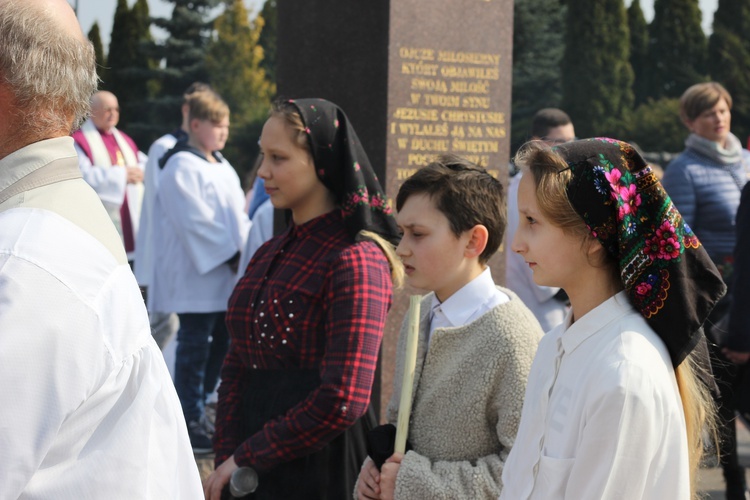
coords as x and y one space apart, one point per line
343 167
666 272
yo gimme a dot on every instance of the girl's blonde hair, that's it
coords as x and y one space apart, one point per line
551 177
293 121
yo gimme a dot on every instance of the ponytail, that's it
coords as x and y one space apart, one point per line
394 262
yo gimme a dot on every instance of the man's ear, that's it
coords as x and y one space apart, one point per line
478 236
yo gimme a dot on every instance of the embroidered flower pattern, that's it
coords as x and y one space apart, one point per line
629 200
664 244
599 180
631 191
651 293
356 166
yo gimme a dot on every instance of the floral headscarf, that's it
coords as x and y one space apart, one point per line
666 272
343 167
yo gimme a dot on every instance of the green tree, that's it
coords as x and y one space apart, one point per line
638 51
729 58
656 126
596 74
677 48
233 61
121 46
130 66
537 52
268 39
182 58
184 50
96 40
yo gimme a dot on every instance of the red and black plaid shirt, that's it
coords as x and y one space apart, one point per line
312 299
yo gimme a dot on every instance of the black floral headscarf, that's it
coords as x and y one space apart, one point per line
666 272
343 167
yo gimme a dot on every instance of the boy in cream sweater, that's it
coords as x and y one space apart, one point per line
476 341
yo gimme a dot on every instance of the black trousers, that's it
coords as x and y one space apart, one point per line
728 377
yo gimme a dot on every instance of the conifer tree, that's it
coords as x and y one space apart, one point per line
96 40
130 66
121 46
268 39
638 51
729 59
184 50
537 52
597 76
677 48
234 61
182 56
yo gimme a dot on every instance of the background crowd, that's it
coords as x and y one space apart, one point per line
306 313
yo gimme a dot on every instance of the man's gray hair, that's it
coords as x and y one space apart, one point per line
51 73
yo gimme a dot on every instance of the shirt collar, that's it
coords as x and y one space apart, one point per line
460 306
26 160
316 225
593 321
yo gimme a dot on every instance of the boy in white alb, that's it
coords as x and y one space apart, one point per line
476 341
202 226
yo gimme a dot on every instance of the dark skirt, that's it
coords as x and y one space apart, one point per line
329 474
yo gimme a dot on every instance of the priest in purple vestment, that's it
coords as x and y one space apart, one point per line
112 164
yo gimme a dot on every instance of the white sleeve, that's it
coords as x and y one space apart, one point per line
108 182
261 230
50 361
144 240
142 160
197 214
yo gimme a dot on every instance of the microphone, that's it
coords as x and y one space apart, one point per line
243 481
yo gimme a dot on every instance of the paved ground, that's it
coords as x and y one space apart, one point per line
711 480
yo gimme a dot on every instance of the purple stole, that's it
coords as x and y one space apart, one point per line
115 156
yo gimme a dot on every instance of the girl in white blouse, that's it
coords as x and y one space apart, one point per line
616 399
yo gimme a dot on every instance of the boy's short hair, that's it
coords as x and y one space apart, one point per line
546 119
702 97
465 193
207 106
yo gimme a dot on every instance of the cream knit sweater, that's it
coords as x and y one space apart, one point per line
468 394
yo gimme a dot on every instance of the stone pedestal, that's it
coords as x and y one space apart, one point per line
417 78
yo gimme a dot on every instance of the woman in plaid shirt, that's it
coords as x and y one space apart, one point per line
307 318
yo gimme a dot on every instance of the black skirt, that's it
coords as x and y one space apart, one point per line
329 474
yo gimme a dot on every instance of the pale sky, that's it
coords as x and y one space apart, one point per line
104 12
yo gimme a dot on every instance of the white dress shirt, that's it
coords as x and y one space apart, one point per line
602 415
89 410
467 304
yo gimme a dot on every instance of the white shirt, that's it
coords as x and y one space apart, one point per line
520 278
200 223
470 302
261 230
602 416
144 243
89 410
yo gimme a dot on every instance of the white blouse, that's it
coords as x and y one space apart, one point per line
602 415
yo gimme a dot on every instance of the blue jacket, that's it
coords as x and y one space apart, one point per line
707 194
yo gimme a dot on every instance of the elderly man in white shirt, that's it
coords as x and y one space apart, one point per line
89 409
